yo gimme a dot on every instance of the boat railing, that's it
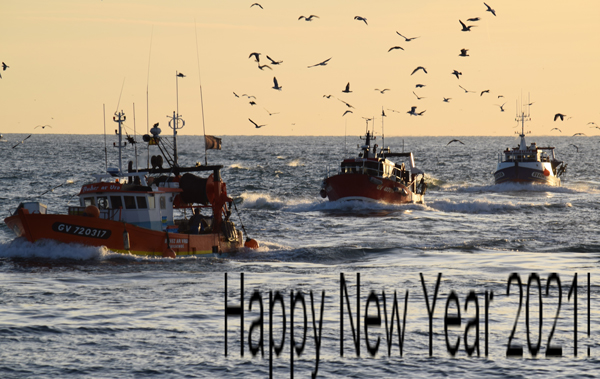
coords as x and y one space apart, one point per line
362 168
106 214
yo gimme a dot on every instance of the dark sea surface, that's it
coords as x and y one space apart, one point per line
69 311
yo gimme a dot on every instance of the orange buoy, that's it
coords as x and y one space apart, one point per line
169 254
91 211
546 172
251 244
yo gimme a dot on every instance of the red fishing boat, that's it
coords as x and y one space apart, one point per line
137 211
372 176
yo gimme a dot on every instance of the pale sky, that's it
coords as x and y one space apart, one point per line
67 58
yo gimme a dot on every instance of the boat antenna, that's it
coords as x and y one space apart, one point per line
346 137
382 130
105 149
119 102
147 97
135 144
174 123
201 99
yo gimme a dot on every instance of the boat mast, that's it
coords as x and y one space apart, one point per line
522 118
120 118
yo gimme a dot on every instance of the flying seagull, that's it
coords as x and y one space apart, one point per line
257 4
405 38
466 28
43 126
256 56
419 85
489 9
271 114
418 98
413 112
464 89
324 63
252 103
501 107
455 140
556 129
348 105
447 99
359 18
463 53
457 74
474 19
273 62
236 95
484 91
419 68
382 90
249 96
181 75
309 18
275 85
395 48
579 134
575 147
327 96
348 111
22 141
347 89
4 66
559 115
255 124
264 66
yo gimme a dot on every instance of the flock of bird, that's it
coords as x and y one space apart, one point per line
466 26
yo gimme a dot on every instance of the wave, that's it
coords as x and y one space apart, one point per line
237 166
295 163
507 187
487 207
49 249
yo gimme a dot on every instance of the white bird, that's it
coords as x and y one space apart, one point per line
276 85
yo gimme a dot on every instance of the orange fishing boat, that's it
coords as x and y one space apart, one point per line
135 212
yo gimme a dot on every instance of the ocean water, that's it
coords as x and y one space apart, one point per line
72 311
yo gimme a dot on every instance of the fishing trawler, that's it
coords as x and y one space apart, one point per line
373 177
528 164
135 212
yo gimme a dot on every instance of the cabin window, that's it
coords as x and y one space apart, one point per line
129 202
151 202
163 203
102 202
87 201
116 202
141 202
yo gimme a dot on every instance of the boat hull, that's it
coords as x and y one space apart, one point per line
364 187
118 236
523 174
